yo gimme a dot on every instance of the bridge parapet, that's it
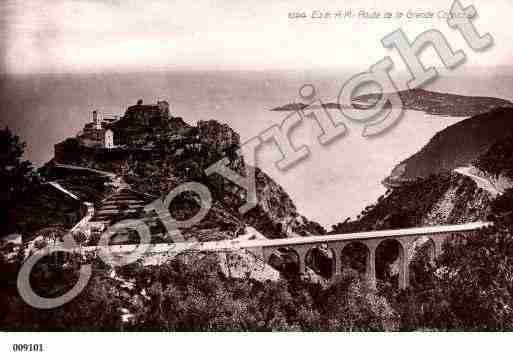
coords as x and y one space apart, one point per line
405 238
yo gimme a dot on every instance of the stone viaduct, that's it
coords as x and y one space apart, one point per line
406 240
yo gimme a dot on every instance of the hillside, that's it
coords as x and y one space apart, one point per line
443 104
44 205
444 198
433 103
498 160
159 155
456 146
450 180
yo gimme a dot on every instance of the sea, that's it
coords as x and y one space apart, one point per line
334 182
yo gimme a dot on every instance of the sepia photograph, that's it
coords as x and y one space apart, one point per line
331 166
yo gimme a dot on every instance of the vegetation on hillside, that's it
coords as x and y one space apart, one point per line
456 146
192 294
498 159
469 287
409 205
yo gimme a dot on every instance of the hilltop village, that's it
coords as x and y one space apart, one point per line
152 151
137 129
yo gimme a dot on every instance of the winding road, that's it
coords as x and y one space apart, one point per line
481 182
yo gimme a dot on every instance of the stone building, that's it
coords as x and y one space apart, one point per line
147 115
139 124
97 133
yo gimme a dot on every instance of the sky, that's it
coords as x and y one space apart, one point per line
52 36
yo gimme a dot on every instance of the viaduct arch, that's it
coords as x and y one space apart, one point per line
405 238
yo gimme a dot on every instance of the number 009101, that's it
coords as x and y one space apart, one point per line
27 347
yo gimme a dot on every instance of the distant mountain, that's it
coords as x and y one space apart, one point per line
442 104
329 105
456 146
290 107
434 103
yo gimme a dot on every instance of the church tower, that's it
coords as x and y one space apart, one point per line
97 120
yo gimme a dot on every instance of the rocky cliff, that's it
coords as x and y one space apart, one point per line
175 158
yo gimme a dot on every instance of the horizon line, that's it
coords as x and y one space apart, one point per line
235 69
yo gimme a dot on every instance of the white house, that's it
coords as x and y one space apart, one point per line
108 141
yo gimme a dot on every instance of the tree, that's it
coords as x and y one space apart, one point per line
16 176
469 289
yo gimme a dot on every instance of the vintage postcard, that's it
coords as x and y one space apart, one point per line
253 166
